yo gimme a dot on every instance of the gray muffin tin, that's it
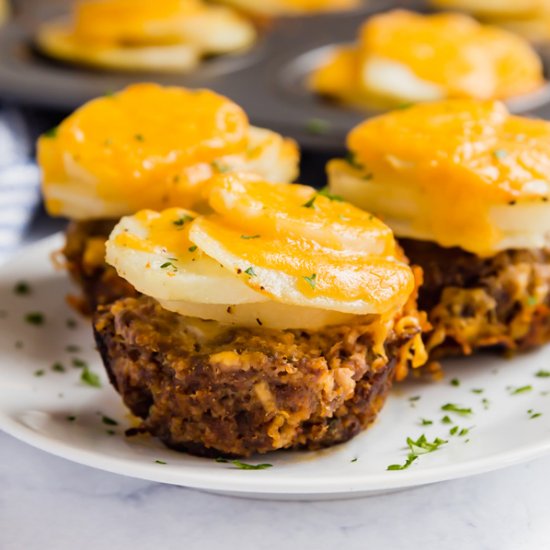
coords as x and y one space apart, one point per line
269 81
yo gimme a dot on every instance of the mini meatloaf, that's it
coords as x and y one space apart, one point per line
473 302
84 259
212 390
465 185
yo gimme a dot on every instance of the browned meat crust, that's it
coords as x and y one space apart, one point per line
84 254
242 391
477 302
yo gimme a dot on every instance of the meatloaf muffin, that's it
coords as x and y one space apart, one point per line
278 321
466 188
217 390
146 146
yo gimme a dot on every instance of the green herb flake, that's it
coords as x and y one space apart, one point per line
418 447
250 272
463 432
180 222
455 382
39 372
410 459
353 459
477 390
51 133
532 414
110 432
543 374
35 318
221 460
414 398
500 153
446 420
248 237
458 409
79 363
22 288
108 421
159 461
58 367
71 323
486 403
310 203
89 378
139 137
318 126
426 422
325 192
521 389
168 264
453 430
192 248
71 348
245 466
311 280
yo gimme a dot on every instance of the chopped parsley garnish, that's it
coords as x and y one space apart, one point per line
71 348
426 422
108 421
453 430
543 374
51 133
247 237
485 402
451 407
500 153
464 432
318 126
243 465
168 264
353 459
477 390
311 280
455 382
139 137
446 420
532 414
181 221
414 398
192 248
416 448
90 378
22 288
58 367
521 389
159 461
35 318
71 323
39 372
79 363
250 272
219 167
310 202
325 192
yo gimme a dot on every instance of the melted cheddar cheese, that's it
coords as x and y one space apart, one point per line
411 57
243 258
460 173
291 7
150 146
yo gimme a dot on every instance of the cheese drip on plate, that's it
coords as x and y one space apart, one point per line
459 173
152 147
279 256
170 35
408 57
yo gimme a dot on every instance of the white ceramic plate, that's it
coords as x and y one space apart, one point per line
37 404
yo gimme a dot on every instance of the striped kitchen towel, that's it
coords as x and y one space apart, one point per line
19 197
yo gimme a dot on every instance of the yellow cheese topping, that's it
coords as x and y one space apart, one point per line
451 55
291 7
445 169
285 250
129 21
147 146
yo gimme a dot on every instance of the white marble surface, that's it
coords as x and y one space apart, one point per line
49 503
